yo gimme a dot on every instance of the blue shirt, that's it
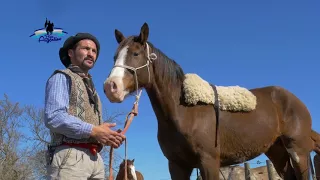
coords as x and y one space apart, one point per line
56 116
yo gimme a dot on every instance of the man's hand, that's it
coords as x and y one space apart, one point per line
105 135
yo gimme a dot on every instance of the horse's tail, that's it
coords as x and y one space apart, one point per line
316 141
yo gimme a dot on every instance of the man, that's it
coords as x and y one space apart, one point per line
73 114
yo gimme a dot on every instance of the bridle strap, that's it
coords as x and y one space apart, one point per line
135 72
151 57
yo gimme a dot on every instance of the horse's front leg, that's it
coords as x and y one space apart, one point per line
179 172
209 168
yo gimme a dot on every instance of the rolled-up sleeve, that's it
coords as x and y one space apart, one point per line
56 116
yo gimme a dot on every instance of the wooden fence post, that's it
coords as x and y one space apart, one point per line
316 161
247 171
199 177
270 170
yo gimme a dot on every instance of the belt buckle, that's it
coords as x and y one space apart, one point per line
93 149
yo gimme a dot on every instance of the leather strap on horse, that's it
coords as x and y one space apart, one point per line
216 108
132 113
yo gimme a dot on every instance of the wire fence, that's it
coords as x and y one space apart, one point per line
261 171
235 172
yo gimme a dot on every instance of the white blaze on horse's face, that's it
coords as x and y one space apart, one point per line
119 71
114 86
133 172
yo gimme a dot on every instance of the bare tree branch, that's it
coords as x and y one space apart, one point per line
24 139
12 147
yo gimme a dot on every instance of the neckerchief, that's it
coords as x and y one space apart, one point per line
87 79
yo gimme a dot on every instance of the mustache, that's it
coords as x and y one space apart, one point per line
88 58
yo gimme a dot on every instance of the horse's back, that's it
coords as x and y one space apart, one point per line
288 104
279 95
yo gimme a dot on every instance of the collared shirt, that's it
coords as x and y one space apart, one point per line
56 116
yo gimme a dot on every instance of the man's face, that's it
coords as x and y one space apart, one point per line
84 55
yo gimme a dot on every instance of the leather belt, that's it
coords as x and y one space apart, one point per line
94 148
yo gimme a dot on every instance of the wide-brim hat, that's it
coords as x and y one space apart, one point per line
69 44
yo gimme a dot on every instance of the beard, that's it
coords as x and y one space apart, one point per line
87 63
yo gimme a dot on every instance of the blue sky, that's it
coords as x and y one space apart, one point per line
246 43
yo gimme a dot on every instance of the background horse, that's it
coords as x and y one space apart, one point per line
279 125
133 174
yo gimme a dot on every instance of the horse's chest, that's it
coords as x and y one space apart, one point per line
174 146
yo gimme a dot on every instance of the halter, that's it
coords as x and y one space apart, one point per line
150 57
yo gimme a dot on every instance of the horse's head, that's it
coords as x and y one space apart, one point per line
129 163
132 65
131 170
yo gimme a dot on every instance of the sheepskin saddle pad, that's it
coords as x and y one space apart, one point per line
231 98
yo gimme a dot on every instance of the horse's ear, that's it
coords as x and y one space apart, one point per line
144 34
132 160
119 36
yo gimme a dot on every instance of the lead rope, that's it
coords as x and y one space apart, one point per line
132 113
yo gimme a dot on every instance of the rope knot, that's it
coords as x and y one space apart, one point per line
135 110
153 56
137 99
138 95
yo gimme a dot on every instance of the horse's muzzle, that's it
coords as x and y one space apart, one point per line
113 89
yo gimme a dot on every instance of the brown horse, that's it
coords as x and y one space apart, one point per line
279 125
132 173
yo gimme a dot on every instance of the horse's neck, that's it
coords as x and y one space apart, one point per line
164 100
164 92
121 175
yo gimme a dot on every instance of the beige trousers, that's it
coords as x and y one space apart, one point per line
73 163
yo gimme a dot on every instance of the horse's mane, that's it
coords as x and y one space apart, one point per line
165 69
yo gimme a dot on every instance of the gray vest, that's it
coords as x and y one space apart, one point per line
79 106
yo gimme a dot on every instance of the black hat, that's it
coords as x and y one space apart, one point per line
71 41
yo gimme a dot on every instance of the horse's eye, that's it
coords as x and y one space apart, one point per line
135 54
